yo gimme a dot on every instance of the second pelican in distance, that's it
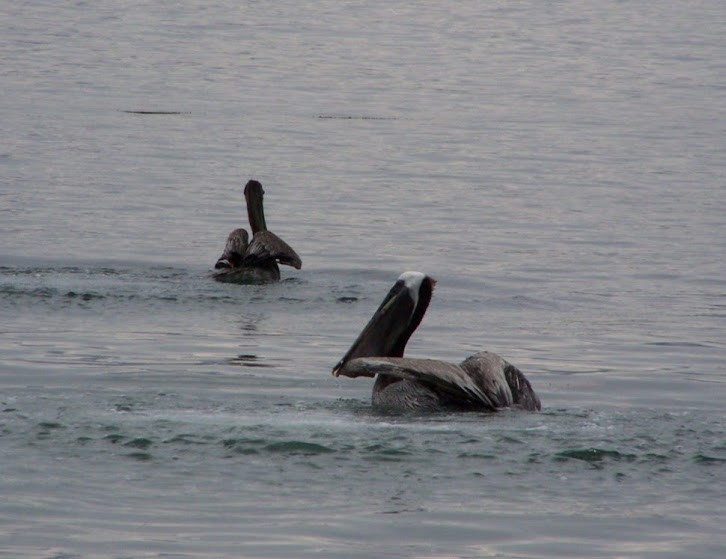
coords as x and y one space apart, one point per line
255 261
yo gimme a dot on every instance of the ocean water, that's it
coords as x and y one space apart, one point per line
558 167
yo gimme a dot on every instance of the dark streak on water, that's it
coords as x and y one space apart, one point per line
155 112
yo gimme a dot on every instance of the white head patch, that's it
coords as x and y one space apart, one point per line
412 281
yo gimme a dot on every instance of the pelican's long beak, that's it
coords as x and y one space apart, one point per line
392 324
255 212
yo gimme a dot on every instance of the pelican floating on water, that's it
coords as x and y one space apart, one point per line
243 261
482 382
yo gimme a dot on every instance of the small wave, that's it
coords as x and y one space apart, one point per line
146 112
298 447
84 286
141 456
676 344
50 425
188 439
385 452
12 291
87 296
139 442
249 360
246 445
593 455
46 428
708 460
355 117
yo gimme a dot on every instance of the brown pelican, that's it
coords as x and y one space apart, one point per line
483 381
245 262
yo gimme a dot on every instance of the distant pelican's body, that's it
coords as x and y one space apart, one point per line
256 261
483 382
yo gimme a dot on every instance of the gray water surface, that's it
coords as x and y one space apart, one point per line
559 169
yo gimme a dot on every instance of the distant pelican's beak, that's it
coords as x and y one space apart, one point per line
255 212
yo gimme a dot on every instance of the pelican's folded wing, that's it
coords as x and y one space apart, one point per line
265 246
233 250
502 381
450 381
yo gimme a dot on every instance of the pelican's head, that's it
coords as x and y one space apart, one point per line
254 188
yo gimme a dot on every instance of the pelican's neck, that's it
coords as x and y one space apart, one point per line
255 212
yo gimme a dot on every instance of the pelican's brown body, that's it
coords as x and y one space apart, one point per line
484 381
255 261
